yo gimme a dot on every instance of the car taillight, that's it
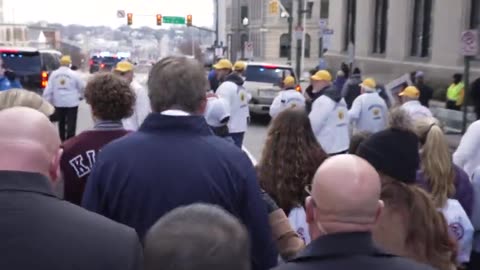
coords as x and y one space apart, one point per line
91 62
298 88
102 65
44 79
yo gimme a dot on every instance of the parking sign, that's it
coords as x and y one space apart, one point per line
469 43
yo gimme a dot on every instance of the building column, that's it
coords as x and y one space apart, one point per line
364 27
445 38
336 20
398 36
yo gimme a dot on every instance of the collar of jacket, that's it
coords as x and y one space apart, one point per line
341 245
108 125
26 182
157 123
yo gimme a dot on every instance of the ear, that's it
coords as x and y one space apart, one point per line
309 210
54 169
380 207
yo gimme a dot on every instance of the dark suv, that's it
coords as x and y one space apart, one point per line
31 66
103 63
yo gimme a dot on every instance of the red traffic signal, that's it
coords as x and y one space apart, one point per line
129 18
189 20
159 19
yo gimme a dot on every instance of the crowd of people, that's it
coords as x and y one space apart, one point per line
346 179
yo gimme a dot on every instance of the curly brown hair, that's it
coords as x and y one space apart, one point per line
290 158
110 97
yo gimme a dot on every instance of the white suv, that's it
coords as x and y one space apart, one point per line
263 81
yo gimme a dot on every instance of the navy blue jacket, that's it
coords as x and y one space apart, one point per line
173 161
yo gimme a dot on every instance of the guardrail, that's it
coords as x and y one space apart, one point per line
451 120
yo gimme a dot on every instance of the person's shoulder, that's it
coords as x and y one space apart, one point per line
81 138
401 263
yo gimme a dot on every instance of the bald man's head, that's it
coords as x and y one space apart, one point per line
345 196
29 142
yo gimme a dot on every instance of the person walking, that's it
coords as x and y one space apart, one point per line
342 210
178 161
455 93
220 71
111 100
426 92
64 90
236 96
38 230
329 116
141 108
369 112
289 97
411 104
351 89
340 80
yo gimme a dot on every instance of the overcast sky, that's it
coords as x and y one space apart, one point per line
103 12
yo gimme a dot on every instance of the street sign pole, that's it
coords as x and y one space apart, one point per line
466 92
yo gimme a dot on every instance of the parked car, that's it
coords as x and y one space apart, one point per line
103 63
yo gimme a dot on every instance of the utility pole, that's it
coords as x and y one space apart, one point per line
466 92
216 21
298 59
290 39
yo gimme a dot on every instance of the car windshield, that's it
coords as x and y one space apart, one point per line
22 62
267 74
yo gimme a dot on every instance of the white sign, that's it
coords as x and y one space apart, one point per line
394 87
469 42
248 49
323 23
219 52
298 32
121 14
327 42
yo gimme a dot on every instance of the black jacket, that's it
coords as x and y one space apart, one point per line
39 231
348 251
235 78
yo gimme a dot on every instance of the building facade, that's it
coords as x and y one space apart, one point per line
13 35
385 38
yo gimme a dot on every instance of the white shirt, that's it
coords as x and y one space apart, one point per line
141 109
286 99
369 112
237 99
467 155
65 88
416 110
330 123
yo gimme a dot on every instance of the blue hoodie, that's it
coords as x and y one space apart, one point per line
5 84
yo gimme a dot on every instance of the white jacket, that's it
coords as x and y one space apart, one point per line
286 99
65 88
369 112
141 108
467 155
416 110
237 99
330 123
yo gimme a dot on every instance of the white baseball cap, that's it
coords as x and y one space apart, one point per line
217 112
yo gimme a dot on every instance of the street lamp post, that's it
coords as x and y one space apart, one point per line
245 23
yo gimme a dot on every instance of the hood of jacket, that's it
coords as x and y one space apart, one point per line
235 78
333 93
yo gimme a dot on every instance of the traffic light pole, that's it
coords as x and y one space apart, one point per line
298 59
290 39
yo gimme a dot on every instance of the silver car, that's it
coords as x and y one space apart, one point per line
264 81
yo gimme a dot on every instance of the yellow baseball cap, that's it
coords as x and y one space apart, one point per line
410 91
289 81
369 84
322 75
239 66
223 64
124 66
66 60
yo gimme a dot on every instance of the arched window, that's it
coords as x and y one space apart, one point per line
308 41
243 40
285 46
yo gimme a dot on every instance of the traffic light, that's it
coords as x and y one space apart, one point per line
129 18
159 19
189 20
273 7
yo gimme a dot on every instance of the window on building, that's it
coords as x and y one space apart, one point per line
351 11
380 26
9 35
324 6
243 13
308 42
285 46
475 14
421 28
309 10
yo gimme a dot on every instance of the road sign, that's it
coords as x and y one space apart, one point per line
121 14
173 20
248 49
299 32
469 42
327 32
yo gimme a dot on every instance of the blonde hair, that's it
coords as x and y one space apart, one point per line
24 98
436 160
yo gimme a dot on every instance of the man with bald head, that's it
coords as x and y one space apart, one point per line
341 212
38 230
